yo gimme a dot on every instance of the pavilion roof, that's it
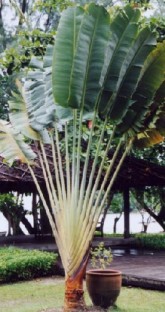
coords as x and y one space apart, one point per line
135 173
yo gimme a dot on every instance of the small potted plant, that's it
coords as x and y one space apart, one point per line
103 284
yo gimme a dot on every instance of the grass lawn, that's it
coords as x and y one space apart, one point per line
41 294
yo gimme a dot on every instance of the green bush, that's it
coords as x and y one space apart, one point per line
153 241
21 264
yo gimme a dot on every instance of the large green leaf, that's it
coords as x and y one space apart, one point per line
12 146
152 77
77 84
126 29
156 117
38 93
62 114
19 115
64 52
125 64
133 64
118 30
89 58
130 72
153 73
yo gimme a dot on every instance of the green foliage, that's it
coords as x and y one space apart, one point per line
49 5
10 203
85 138
13 210
18 264
101 256
149 241
7 84
154 153
153 241
26 44
158 23
60 5
125 90
114 235
149 195
117 203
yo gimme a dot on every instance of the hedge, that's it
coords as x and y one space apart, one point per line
21 264
145 240
153 241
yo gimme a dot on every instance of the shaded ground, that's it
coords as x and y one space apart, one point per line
145 269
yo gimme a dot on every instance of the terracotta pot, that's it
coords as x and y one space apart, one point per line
103 286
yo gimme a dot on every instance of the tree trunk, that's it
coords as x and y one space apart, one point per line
27 225
153 215
74 293
9 225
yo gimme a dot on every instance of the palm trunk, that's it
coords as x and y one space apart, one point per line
74 293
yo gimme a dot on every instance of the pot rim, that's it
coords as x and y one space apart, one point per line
104 272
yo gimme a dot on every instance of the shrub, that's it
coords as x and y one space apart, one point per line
20 264
154 241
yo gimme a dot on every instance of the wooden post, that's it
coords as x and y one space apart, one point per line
34 212
126 213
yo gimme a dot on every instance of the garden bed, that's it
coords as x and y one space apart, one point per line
20 264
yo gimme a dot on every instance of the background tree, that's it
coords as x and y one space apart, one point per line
152 201
22 35
12 208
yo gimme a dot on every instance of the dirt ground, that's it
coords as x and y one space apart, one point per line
88 309
58 279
